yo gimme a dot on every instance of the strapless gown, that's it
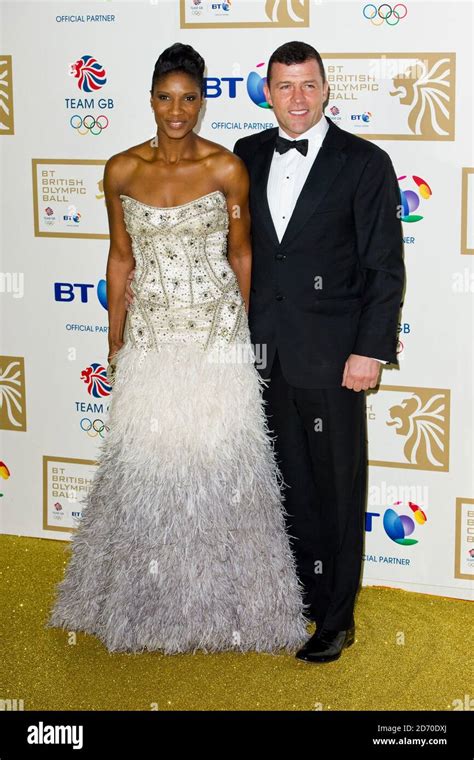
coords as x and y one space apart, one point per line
182 543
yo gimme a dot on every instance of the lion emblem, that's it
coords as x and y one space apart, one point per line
287 12
426 89
422 420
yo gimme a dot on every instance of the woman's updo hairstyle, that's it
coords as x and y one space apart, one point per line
180 57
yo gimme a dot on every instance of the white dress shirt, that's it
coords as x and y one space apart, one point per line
288 173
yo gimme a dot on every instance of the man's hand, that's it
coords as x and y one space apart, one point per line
360 373
128 290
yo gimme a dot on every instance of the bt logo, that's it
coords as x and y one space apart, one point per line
255 88
214 87
72 215
69 291
365 117
410 200
222 6
398 526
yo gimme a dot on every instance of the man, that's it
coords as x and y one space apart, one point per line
327 281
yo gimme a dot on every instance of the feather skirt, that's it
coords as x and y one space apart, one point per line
182 543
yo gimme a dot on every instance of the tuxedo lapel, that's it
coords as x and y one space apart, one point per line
260 172
327 165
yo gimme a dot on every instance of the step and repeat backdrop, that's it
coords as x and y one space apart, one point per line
74 90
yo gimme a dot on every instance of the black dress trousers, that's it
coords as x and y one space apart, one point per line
321 448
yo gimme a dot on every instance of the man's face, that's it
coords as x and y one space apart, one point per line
297 94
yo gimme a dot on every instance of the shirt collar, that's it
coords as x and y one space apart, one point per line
315 135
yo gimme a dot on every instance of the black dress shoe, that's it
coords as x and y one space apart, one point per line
326 646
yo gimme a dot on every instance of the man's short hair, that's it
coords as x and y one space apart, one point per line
295 52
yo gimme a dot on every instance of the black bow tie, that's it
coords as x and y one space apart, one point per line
282 145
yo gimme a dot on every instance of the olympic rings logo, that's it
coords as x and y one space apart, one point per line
89 124
385 13
93 428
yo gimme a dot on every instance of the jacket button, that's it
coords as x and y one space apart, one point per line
280 256
280 297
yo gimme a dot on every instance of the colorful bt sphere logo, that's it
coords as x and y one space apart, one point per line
398 527
410 199
255 88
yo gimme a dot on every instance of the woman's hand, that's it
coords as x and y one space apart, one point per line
113 349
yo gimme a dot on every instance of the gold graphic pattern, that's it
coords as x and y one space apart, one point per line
6 96
422 418
12 393
426 88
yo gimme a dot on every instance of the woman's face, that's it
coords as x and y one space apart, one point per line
176 100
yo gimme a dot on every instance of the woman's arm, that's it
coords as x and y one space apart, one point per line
120 260
239 250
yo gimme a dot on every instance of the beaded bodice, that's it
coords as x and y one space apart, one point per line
185 290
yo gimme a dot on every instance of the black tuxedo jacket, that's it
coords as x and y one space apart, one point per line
345 231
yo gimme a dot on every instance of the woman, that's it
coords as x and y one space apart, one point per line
182 544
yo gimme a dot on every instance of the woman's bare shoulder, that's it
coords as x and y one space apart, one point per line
212 150
121 165
221 158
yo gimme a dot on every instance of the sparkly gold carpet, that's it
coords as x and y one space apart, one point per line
411 653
